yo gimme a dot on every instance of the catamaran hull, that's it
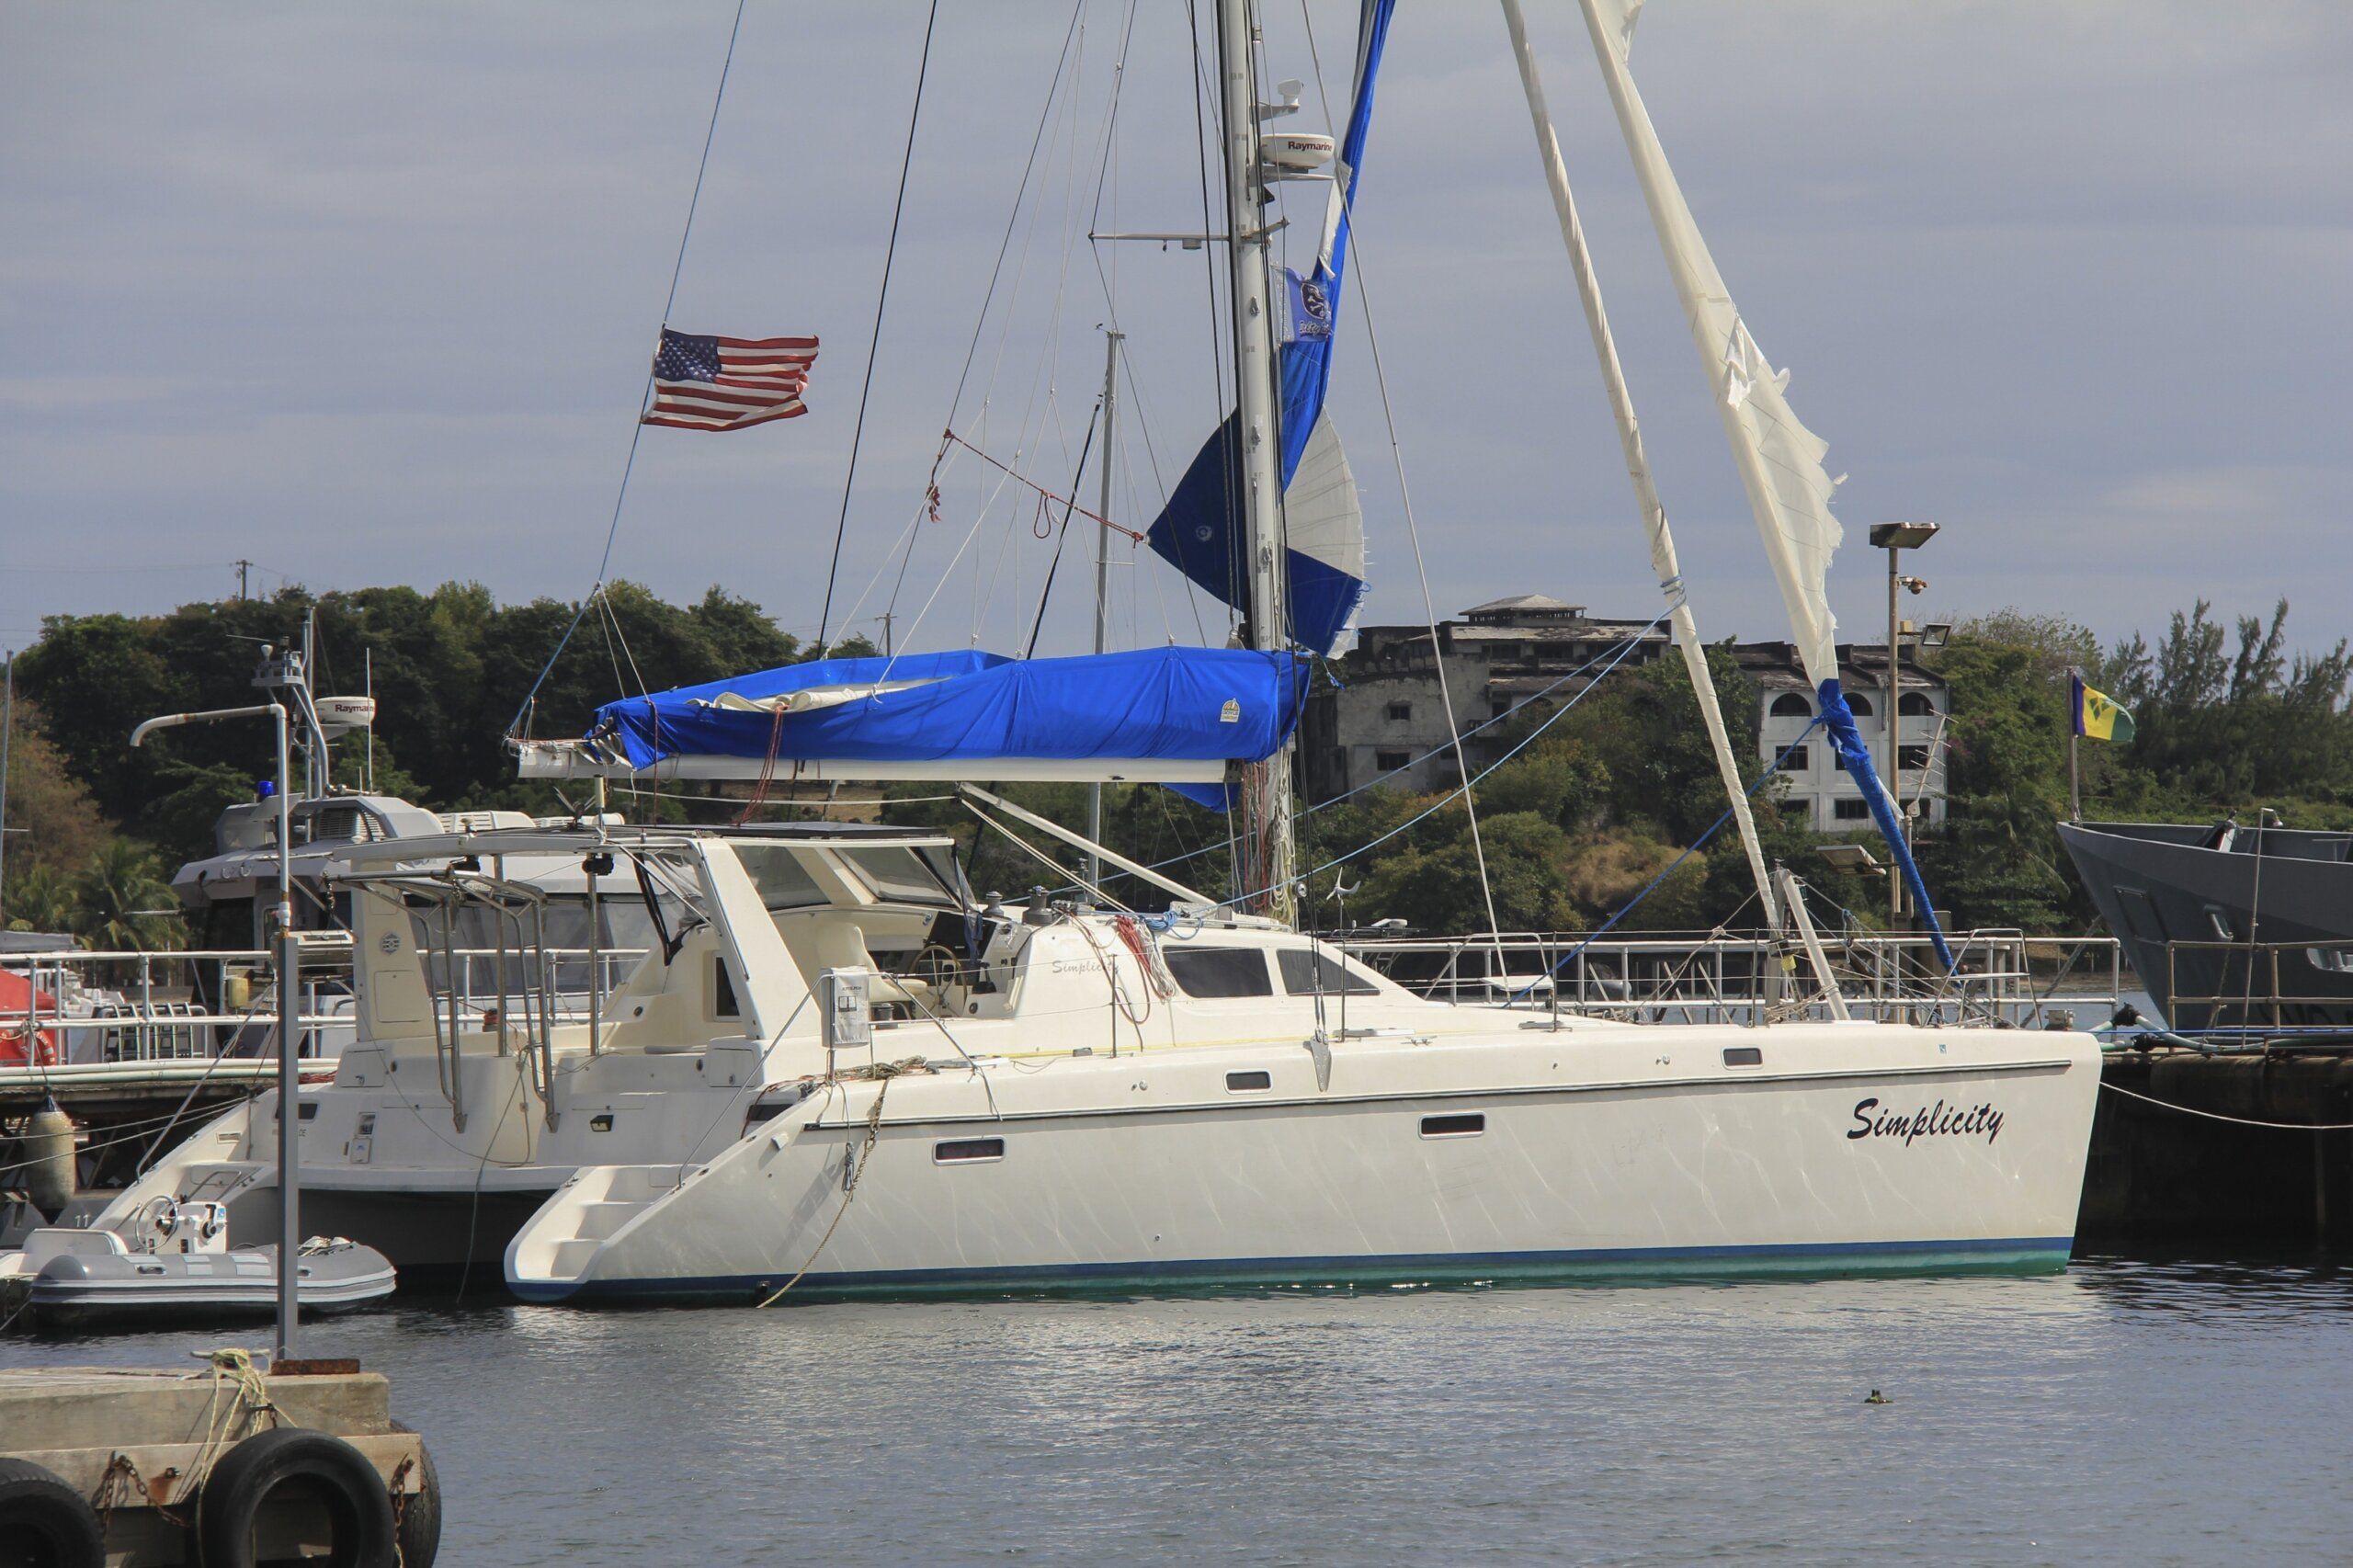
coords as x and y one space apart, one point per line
1948 1166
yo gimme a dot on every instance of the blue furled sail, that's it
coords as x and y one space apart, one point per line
1197 530
1172 715
1780 460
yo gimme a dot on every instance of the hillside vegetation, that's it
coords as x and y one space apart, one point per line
1597 808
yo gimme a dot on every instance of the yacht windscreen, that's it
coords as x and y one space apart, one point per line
776 871
902 876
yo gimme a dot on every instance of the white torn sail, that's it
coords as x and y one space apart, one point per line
1779 459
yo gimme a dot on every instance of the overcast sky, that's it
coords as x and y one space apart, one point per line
366 295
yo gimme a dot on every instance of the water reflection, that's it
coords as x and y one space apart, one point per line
2158 1408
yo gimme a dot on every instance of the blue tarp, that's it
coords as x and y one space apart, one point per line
1177 704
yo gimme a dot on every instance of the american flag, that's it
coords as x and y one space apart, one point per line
728 384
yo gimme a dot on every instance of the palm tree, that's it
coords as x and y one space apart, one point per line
122 903
39 900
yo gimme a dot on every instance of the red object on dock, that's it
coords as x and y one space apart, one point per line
21 1045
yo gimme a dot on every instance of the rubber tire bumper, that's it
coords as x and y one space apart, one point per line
43 1520
420 1519
339 1475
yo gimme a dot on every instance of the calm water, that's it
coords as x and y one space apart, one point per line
2132 1410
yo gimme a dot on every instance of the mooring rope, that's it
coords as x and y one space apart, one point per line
2235 1120
885 1071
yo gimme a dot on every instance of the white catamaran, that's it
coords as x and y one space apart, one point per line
838 1070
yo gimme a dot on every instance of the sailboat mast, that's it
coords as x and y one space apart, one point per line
1111 337
1267 857
1637 465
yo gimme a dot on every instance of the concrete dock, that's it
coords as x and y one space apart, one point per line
2231 1153
144 1448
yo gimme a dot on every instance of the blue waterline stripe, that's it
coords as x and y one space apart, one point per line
2036 1252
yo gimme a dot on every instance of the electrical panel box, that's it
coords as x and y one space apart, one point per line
845 999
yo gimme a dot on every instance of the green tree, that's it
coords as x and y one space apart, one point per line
122 903
41 899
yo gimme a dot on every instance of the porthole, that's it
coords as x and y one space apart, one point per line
1249 1083
967 1150
1744 1056
1468 1124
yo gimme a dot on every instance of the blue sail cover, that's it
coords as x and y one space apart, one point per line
1178 704
1839 720
1195 533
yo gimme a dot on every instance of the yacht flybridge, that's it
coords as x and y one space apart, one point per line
837 1067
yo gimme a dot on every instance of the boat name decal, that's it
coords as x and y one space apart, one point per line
1937 1120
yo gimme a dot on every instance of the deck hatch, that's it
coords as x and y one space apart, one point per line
1461 1124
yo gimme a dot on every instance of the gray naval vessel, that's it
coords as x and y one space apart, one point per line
2229 926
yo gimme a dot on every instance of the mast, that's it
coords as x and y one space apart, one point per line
1266 842
1638 466
1111 336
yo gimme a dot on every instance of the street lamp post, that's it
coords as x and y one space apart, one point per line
290 1076
1895 538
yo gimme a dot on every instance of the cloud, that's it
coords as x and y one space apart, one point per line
368 293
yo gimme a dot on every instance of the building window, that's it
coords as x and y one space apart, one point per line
1790 705
1912 760
1860 706
1391 761
1916 705
1851 810
1498 706
1795 761
1837 759
1399 712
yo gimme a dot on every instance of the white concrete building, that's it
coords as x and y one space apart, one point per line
1387 720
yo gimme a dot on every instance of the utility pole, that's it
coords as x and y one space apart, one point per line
242 567
7 732
1111 336
290 1012
1895 538
1266 858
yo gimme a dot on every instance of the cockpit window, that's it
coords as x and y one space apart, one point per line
1306 973
776 872
336 824
897 875
1218 972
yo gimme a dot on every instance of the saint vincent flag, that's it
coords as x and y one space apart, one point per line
2096 714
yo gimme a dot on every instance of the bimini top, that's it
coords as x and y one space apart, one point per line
1167 715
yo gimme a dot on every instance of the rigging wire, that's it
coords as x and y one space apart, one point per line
881 300
1013 218
1771 772
637 427
1413 529
1046 591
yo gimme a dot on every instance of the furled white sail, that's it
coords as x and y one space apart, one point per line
1779 459
1324 523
